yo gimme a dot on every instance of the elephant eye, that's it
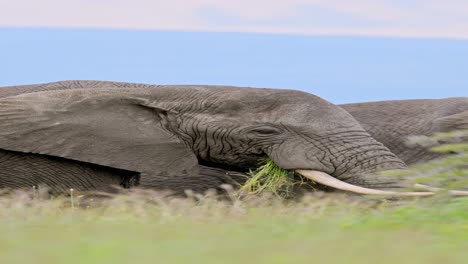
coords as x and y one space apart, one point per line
266 131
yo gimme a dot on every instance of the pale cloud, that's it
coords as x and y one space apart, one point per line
410 18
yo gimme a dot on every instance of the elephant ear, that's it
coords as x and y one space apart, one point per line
122 129
453 122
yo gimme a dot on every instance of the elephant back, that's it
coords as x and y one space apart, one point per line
68 85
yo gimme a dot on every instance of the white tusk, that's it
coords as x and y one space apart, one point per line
325 179
435 189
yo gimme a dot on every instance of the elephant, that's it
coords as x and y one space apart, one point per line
89 135
393 122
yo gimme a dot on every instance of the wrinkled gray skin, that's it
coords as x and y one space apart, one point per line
88 135
393 122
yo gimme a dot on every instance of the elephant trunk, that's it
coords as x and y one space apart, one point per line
358 158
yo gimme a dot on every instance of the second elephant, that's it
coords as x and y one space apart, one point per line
393 122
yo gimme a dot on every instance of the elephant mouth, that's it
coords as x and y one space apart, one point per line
327 180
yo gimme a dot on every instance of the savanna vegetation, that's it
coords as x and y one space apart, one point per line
257 226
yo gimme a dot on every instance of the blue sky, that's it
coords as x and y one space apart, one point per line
344 53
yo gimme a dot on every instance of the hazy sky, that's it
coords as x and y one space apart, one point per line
344 51
429 18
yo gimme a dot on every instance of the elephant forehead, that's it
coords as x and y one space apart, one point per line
303 116
257 100
318 119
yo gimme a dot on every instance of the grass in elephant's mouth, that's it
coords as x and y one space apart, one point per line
269 177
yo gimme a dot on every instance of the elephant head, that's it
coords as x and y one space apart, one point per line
166 131
296 130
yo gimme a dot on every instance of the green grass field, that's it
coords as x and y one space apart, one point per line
147 228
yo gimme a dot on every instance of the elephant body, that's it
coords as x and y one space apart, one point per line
393 122
91 135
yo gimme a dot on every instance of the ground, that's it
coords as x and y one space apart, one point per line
147 228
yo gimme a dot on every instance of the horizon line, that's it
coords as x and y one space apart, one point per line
247 32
